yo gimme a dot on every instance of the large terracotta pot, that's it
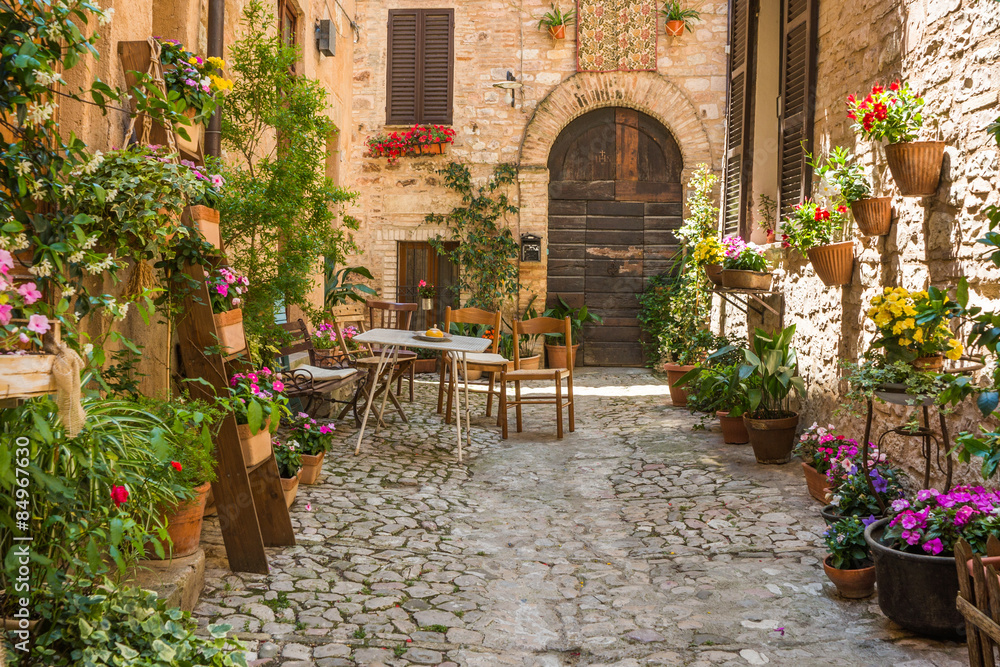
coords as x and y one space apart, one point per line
873 215
851 584
184 526
531 363
556 355
916 166
834 263
816 482
678 395
206 221
229 326
734 431
916 591
675 28
739 279
557 31
256 446
714 273
290 487
772 439
312 466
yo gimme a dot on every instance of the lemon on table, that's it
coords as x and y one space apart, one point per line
434 333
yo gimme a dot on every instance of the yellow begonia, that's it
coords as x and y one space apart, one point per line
918 336
220 84
905 342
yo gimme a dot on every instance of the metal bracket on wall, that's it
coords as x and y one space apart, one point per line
752 297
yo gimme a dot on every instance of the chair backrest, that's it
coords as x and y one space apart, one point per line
545 325
474 316
300 340
390 314
350 314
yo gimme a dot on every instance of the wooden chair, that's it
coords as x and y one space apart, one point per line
347 315
979 601
393 315
536 326
490 362
322 375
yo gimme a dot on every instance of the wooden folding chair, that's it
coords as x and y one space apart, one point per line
347 315
393 315
535 326
490 362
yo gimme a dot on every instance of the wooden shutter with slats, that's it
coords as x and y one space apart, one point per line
798 100
739 116
420 69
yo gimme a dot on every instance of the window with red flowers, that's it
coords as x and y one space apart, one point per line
420 69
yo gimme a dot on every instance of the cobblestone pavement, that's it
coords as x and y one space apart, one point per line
634 541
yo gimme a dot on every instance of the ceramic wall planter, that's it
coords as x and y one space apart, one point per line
734 431
256 446
772 439
532 363
714 273
873 215
851 584
916 591
916 166
675 28
816 482
184 526
678 395
229 326
312 466
290 487
556 355
206 221
738 279
834 263
557 31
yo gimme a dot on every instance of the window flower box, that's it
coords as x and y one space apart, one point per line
418 140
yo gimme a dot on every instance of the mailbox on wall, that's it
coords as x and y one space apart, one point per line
531 248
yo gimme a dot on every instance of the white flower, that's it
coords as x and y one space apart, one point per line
23 168
88 348
68 191
39 114
43 269
110 195
105 16
835 500
91 242
69 292
76 257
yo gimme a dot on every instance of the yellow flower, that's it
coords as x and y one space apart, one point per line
905 342
882 319
909 310
955 350
918 336
220 84
217 62
193 60
896 309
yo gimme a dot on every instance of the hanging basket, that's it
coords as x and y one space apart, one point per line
873 215
834 263
740 279
557 31
916 166
675 28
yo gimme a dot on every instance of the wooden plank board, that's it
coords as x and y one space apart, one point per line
582 190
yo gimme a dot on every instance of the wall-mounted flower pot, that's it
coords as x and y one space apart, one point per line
834 263
290 487
772 439
256 446
556 355
734 431
206 221
312 465
678 395
431 149
739 279
852 584
873 215
816 482
714 273
557 31
426 304
675 28
229 327
916 166
933 363
184 526
196 131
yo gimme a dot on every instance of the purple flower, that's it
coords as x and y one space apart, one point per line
879 483
926 494
933 547
869 521
190 83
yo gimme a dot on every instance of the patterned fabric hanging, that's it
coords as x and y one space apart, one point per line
616 36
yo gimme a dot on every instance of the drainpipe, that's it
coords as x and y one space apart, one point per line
216 40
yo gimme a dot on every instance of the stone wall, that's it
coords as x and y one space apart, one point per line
491 38
947 50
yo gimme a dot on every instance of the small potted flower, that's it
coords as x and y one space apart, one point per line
314 441
844 174
677 18
913 327
199 82
708 254
895 114
257 403
817 447
226 289
854 495
819 233
555 21
326 337
426 293
743 265
289 460
849 565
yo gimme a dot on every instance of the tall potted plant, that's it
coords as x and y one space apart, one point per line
556 21
895 114
677 18
770 422
555 344
824 236
722 385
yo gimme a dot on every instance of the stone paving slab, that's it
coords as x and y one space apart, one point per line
634 541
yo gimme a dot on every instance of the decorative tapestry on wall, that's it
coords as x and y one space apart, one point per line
616 35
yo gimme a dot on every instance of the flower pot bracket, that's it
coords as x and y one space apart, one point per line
752 300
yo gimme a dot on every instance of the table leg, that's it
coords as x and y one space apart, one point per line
468 410
371 394
458 411
388 384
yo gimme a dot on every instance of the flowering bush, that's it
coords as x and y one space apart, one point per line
841 172
708 251
811 225
288 456
914 324
893 113
326 337
255 397
426 291
738 254
197 80
817 447
313 438
401 144
933 522
853 496
846 541
226 289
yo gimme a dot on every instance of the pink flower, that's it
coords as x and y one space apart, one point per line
6 261
217 181
30 294
926 494
236 302
38 323
279 385
933 547
5 309
963 515
909 521
911 537
309 507
254 389
223 290
119 495
23 337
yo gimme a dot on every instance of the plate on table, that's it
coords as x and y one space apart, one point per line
432 339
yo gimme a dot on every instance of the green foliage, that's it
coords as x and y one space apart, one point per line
810 225
190 434
846 542
672 11
673 313
721 384
767 209
280 208
842 172
703 219
578 317
555 17
875 372
485 250
774 368
339 286
312 437
288 455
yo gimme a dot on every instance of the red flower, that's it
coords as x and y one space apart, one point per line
894 86
881 111
851 99
877 89
177 465
866 122
841 209
821 214
119 494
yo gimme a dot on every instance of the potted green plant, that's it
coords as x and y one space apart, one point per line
895 114
257 403
314 440
677 18
426 293
843 173
555 344
289 460
556 21
770 422
913 326
721 389
820 233
767 210
226 289
743 265
849 565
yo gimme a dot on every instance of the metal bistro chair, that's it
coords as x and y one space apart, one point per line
488 362
540 325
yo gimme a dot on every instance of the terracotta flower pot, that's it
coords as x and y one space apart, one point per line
229 326
675 28
734 431
816 482
916 166
473 374
739 279
769 235
206 221
556 355
934 363
873 215
431 149
714 273
290 487
834 263
772 439
557 31
256 446
425 365
851 584
678 395
184 526
196 131
534 362
312 465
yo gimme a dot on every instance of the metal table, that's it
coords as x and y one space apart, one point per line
391 340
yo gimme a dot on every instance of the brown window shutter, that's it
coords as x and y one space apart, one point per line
739 116
402 68
798 100
438 61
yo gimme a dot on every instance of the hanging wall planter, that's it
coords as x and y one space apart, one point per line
229 326
834 263
557 31
873 215
675 28
916 166
714 273
740 279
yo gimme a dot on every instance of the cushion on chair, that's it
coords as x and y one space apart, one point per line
481 358
324 374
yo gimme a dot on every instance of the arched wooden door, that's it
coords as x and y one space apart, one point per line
614 203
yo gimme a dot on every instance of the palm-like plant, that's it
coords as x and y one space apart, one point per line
773 372
672 11
556 18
